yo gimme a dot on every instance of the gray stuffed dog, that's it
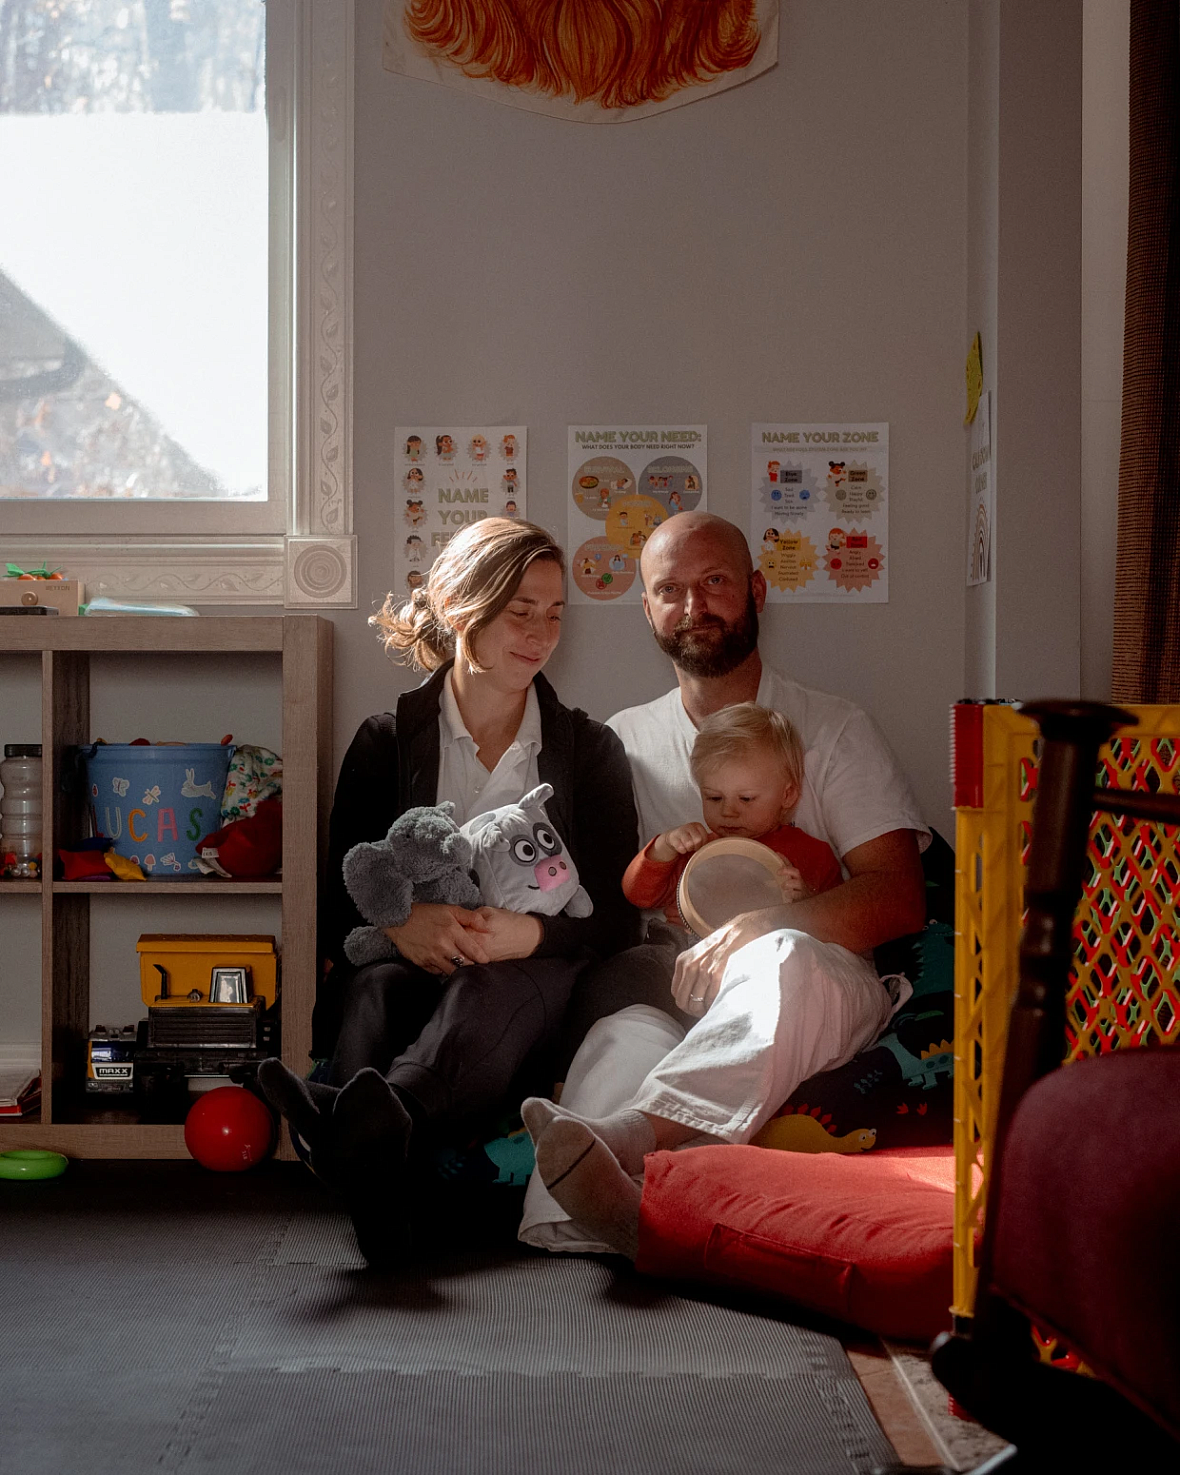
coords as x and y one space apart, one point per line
509 857
422 858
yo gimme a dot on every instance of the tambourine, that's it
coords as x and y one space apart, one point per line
725 878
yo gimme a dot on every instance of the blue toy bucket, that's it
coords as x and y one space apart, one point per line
154 802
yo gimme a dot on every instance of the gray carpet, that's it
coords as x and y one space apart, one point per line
159 1318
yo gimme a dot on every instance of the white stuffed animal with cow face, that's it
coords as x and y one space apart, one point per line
520 861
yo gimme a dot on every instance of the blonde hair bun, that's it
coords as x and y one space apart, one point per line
469 584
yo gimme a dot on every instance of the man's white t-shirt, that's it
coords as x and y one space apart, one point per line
853 788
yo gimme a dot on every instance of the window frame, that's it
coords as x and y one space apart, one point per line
296 549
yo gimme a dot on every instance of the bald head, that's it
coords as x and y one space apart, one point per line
702 529
702 595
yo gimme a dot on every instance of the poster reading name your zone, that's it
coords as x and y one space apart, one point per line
819 512
446 476
624 481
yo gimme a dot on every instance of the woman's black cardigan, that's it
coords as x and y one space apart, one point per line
392 765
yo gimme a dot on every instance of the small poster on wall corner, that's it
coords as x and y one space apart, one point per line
979 527
446 476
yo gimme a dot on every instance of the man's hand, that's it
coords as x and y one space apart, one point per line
883 898
683 840
433 936
698 972
508 934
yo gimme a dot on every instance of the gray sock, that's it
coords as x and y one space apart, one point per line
627 1133
370 1138
585 1178
306 1104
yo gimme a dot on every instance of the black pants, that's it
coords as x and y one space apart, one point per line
452 1048
638 975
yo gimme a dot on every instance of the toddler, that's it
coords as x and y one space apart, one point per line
748 764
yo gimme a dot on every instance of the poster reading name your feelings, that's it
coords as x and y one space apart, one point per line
446 476
624 481
819 512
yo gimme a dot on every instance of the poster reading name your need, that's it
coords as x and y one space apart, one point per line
819 512
446 476
624 481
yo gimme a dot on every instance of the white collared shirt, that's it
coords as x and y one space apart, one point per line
464 780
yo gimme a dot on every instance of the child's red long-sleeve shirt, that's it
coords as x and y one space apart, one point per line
652 883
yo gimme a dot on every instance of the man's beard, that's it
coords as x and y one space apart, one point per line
708 646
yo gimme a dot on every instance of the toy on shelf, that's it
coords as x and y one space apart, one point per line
154 801
40 588
14 571
246 849
110 1060
94 860
211 1014
179 811
228 1130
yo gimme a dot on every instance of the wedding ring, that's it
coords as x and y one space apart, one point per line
696 998
458 962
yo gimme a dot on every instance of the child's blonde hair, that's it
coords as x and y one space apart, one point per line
741 729
470 582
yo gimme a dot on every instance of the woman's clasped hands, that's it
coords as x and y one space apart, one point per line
440 938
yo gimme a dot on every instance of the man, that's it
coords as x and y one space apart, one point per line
702 598
780 993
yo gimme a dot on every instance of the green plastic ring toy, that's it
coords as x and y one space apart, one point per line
26 1163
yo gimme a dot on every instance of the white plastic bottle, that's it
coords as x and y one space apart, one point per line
20 811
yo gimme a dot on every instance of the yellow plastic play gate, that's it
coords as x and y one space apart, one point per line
1125 984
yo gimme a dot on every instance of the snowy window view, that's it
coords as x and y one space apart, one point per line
133 249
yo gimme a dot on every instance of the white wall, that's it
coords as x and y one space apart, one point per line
1105 143
791 249
1023 293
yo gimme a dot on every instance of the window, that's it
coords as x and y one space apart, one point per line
154 433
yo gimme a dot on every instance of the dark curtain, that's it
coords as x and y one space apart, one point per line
1147 590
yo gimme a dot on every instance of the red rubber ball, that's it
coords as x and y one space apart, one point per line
228 1130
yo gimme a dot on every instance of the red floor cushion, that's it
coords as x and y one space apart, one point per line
865 1238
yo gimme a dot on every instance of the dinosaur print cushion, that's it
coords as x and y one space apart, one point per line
897 1093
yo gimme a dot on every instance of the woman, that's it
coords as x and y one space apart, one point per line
427 1046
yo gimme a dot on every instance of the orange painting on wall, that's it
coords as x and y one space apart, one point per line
593 61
